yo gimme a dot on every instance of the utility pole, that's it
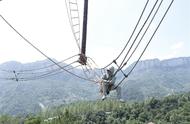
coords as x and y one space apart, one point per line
83 57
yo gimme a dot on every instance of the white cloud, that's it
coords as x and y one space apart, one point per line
177 45
172 54
175 50
47 27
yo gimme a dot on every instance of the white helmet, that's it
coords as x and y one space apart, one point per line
111 70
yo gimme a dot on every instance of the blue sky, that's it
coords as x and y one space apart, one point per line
110 24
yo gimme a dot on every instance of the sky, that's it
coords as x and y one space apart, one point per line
110 22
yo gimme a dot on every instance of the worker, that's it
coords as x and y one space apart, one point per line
107 84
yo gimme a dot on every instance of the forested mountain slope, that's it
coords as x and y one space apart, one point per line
151 78
174 109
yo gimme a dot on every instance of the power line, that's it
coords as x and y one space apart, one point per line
147 44
119 68
49 74
152 36
131 35
93 70
42 52
1 78
46 75
139 33
37 69
47 71
4 70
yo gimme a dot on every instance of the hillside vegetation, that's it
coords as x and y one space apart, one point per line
150 78
174 109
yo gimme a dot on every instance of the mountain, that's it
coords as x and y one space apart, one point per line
155 78
23 97
150 78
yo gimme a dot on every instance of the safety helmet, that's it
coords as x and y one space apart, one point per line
111 70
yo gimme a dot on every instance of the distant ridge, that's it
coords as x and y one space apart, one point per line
151 78
153 63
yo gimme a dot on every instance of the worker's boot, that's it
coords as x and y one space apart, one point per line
103 97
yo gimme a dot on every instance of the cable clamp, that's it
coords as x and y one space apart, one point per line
126 76
114 61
